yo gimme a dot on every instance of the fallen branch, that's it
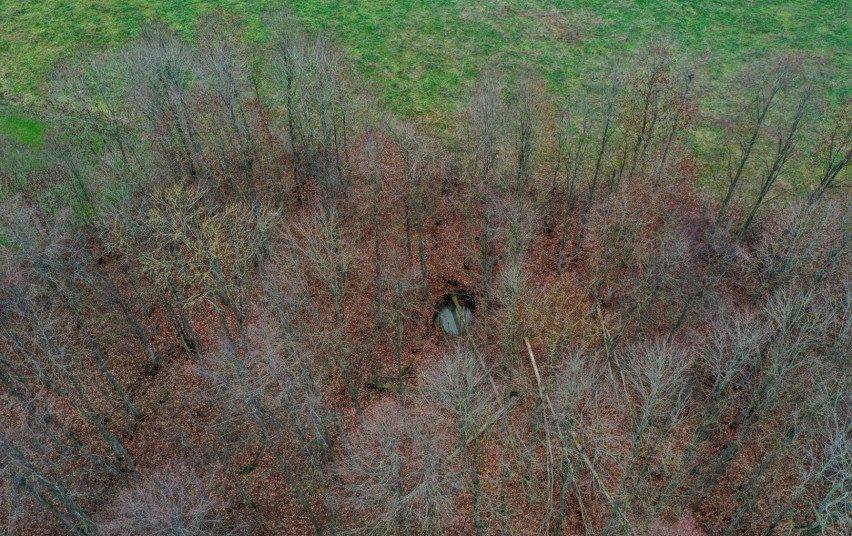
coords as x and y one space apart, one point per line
611 356
514 400
550 462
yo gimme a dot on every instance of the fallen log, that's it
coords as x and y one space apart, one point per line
383 382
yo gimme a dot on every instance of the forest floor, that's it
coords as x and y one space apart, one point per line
178 417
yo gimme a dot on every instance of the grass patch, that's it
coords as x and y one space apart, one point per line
423 56
21 129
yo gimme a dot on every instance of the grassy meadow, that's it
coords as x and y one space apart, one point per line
423 55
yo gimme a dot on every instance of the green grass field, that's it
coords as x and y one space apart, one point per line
21 128
422 55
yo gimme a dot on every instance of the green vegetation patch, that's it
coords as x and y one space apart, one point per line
423 55
20 128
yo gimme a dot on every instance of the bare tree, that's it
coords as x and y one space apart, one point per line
85 97
836 153
826 473
787 139
328 258
152 201
484 131
525 108
399 472
33 330
573 396
651 95
28 472
810 248
45 323
808 418
128 233
197 255
575 147
159 75
246 391
378 226
297 408
317 99
458 388
401 283
655 375
419 165
173 499
606 132
222 64
812 238
320 242
791 334
764 84
683 108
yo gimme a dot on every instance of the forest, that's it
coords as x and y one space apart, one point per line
239 295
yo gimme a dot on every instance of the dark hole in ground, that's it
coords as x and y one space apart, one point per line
454 312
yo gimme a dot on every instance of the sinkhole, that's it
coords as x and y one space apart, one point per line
454 312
